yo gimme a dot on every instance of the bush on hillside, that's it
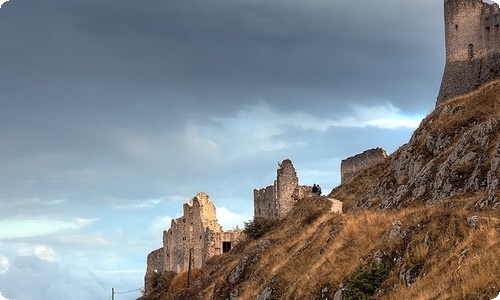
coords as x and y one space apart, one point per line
256 228
365 281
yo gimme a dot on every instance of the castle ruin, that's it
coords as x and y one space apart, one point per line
274 202
196 236
351 166
472 39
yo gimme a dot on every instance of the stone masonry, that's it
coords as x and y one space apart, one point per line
351 166
274 202
472 39
196 234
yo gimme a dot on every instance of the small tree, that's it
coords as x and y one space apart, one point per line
256 227
365 281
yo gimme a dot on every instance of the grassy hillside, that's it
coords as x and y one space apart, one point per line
425 224
425 253
454 157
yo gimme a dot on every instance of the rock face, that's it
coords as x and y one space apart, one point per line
195 235
454 153
472 34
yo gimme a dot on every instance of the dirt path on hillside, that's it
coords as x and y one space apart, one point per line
336 205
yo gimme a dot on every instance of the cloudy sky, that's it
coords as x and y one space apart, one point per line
115 113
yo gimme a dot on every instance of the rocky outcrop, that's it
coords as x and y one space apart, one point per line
455 153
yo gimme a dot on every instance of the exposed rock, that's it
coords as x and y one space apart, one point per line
395 230
454 152
236 273
265 293
263 245
339 294
473 221
233 295
324 293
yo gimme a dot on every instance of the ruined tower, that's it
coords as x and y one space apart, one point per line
276 201
472 40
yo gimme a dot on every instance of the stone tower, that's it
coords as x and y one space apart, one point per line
276 201
472 40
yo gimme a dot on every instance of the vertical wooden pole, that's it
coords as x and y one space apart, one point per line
189 268
112 293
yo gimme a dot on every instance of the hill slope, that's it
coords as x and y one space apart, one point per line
453 157
422 225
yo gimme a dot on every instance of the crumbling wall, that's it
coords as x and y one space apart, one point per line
351 166
303 191
154 268
196 234
276 201
189 233
472 39
265 202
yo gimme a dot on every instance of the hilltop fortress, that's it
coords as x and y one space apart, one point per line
472 39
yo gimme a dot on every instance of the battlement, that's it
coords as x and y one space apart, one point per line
351 166
472 40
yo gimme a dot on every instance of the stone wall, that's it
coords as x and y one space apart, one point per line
154 267
265 202
351 166
276 201
472 39
286 183
197 233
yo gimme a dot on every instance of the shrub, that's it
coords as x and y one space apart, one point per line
365 281
256 227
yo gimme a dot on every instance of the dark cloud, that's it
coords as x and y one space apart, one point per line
226 52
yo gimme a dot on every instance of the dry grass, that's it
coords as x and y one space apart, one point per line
449 121
313 250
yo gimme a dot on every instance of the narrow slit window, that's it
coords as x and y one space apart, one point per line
471 52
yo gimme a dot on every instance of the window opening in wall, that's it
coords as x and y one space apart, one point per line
226 247
456 26
471 52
